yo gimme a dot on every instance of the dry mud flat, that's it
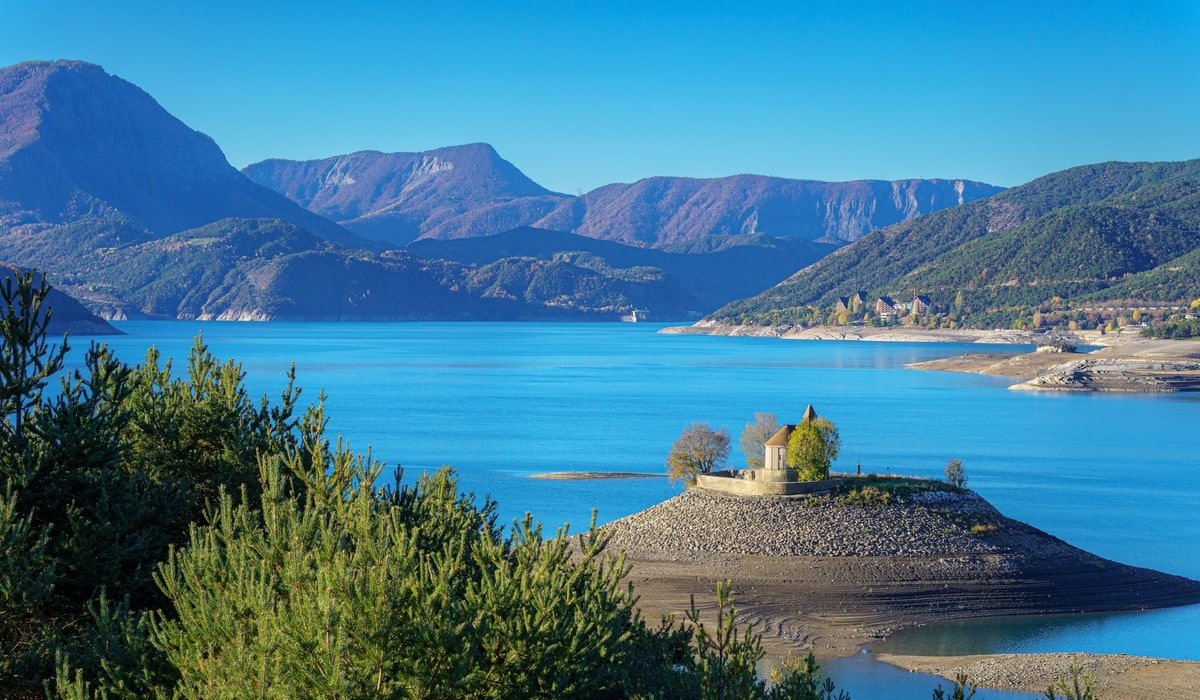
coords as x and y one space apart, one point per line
812 573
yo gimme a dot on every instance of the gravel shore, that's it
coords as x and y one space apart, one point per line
1113 676
698 522
815 573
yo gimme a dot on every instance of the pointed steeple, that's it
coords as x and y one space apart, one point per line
809 414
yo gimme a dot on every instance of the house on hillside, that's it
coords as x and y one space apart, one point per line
884 306
843 304
858 301
921 304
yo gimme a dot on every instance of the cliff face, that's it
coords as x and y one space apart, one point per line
665 210
77 142
469 191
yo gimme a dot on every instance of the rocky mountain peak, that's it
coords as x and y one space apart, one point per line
77 142
101 116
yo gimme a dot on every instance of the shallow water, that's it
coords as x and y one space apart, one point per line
864 678
1114 474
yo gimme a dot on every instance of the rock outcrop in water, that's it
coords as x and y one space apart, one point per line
1128 374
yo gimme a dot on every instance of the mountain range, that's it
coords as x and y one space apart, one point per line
470 191
137 214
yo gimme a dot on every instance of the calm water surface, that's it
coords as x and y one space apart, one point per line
1114 474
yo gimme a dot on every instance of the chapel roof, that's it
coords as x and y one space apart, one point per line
780 438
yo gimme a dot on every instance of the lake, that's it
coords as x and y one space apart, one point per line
1117 475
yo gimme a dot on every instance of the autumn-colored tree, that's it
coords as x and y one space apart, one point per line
755 436
956 475
699 450
812 447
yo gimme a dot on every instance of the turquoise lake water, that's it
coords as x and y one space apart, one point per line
1117 475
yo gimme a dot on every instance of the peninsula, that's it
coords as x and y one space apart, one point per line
1121 361
1128 364
840 570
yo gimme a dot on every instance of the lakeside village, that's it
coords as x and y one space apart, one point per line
858 309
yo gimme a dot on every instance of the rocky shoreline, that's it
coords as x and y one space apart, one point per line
1125 362
818 573
699 522
1113 676
1130 365
895 334
587 476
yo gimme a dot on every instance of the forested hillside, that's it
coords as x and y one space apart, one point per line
267 269
1098 232
710 277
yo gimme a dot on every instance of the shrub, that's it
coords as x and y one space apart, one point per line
867 496
983 529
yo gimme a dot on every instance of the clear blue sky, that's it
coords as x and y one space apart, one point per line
579 94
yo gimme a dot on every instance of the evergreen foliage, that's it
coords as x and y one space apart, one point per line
1078 687
812 447
87 505
959 690
1185 328
336 589
725 663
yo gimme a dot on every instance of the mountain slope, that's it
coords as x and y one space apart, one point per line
397 197
267 269
711 278
67 315
1067 234
76 141
469 191
1176 280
